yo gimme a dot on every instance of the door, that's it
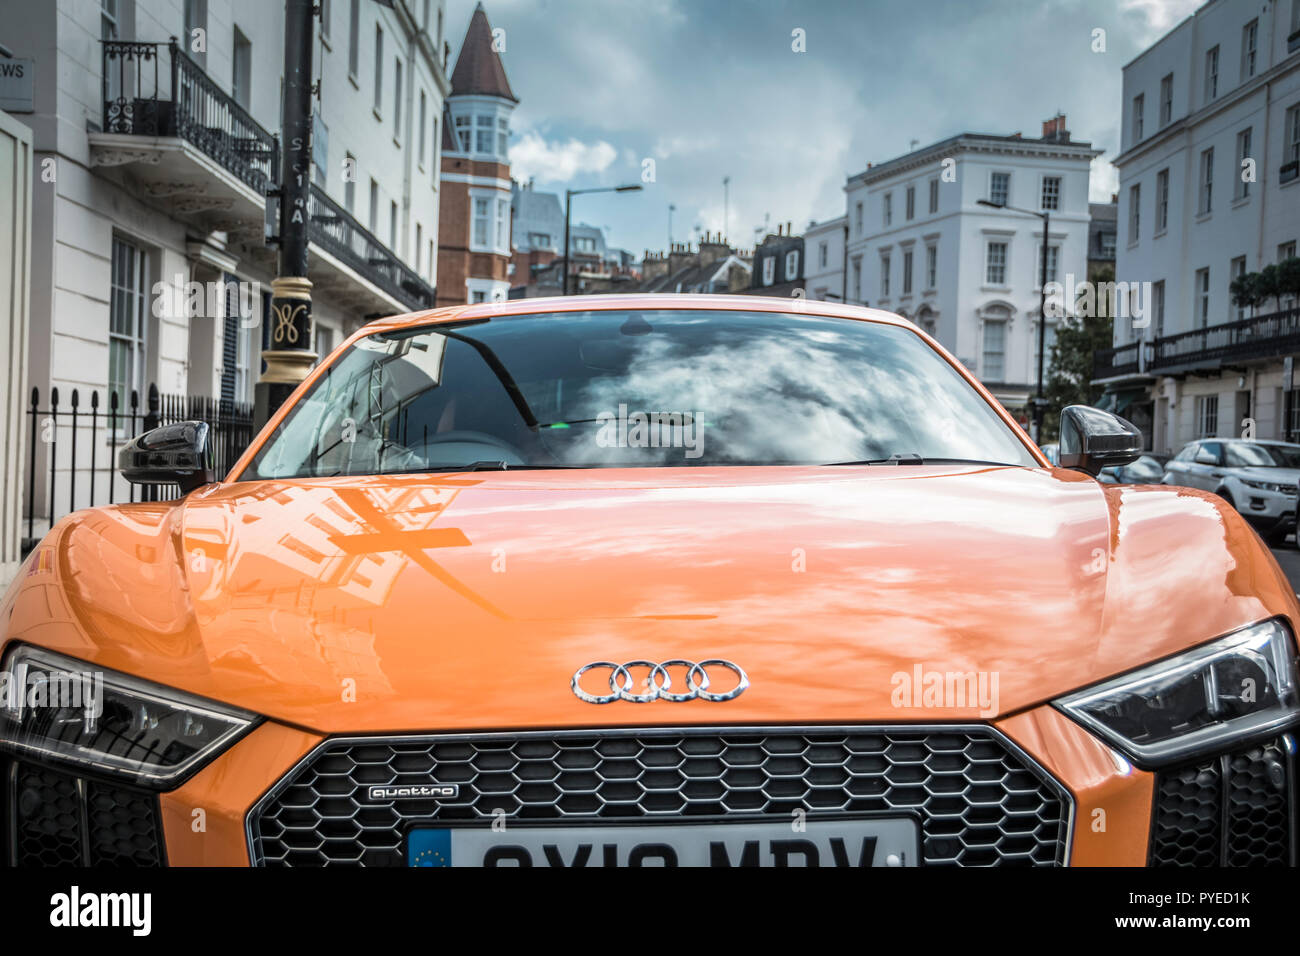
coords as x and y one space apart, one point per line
1206 467
15 268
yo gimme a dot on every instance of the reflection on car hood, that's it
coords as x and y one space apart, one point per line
468 601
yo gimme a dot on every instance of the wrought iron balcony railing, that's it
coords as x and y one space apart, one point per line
144 99
1263 336
333 229
1108 363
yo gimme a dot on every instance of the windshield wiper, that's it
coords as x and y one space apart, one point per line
911 458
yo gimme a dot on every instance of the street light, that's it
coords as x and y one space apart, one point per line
1039 400
568 198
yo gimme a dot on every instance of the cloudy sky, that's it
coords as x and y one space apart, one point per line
713 88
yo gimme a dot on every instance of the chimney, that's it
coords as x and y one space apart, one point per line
679 257
653 266
1054 129
713 248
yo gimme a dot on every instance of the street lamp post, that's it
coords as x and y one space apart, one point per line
568 201
1040 400
290 356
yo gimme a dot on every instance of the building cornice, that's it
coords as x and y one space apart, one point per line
1227 101
974 143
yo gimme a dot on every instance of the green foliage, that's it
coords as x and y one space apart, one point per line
1276 282
1288 277
1268 284
1069 381
1246 292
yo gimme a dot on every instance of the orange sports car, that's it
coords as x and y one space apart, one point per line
649 580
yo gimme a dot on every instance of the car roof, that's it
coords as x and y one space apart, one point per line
594 303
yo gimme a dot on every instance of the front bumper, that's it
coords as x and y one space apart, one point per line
1266 511
1035 788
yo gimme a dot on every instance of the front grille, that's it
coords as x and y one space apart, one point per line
979 800
57 819
1237 809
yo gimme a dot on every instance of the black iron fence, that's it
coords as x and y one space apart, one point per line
72 461
144 97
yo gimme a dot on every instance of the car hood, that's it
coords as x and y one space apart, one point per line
468 601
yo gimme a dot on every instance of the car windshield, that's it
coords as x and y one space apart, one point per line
1286 456
649 388
1248 455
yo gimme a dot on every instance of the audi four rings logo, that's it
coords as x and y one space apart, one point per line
659 684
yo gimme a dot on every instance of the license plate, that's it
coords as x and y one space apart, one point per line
876 841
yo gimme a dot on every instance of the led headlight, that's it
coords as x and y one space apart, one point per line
70 712
1276 486
1239 687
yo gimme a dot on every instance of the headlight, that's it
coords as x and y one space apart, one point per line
1268 486
71 712
1238 687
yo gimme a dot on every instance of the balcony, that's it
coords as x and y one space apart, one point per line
194 152
341 241
1117 362
1261 337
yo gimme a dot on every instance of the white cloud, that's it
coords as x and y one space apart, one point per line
557 162
1160 15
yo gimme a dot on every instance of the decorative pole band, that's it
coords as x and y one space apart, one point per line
290 356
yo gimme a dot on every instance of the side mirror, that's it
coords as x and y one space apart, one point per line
170 454
1092 439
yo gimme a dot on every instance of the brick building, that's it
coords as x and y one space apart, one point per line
474 211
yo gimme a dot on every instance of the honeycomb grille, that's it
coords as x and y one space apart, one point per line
979 801
1238 809
56 819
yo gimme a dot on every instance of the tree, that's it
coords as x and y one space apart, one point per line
1245 291
1269 285
1288 278
1078 339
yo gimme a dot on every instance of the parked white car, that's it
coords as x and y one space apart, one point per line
1258 478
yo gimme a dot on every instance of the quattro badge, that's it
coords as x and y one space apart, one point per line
424 791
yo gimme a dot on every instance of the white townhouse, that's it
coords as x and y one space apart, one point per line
155 128
1209 173
823 244
920 244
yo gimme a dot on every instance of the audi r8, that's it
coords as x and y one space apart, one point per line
649 580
